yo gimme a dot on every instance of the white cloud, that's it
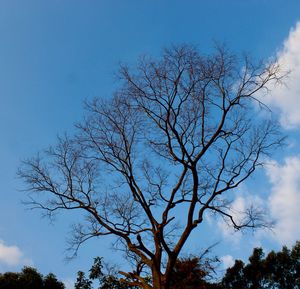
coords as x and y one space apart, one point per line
12 255
243 201
286 98
227 261
226 229
283 205
69 283
284 200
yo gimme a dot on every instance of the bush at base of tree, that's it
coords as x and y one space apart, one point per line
105 280
280 270
189 273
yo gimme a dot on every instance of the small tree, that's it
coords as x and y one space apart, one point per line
146 165
82 282
105 280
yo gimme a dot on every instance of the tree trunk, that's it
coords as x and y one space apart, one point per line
157 279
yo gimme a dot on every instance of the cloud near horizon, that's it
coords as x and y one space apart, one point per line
12 256
285 98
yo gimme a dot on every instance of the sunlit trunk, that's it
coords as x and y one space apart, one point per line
157 279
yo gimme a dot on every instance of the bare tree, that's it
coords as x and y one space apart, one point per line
146 165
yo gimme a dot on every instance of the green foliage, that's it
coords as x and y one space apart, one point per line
82 282
277 270
29 278
111 282
104 280
280 270
188 274
96 270
51 282
10 280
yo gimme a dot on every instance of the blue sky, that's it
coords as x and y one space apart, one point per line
54 54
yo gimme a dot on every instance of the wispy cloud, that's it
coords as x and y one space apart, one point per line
286 98
282 204
243 201
69 283
284 200
227 261
226 229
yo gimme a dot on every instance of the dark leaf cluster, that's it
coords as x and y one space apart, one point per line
29 278
276 270
104 280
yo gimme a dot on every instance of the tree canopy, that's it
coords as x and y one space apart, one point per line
276 270
146 165
29 278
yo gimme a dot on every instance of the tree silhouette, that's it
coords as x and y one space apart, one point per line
179 134
82 282
29 278
50 282
277 270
